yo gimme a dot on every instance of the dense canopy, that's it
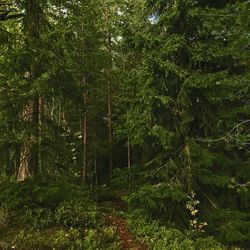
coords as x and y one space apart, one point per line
144 103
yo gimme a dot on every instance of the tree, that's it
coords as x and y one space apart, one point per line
186 94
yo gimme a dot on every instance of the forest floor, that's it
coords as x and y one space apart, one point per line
111 212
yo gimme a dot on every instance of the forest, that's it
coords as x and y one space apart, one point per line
124 124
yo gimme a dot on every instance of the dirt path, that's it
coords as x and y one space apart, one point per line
127 239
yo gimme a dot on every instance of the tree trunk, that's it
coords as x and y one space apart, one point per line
95 164
25 155
129 165
110 130
29 153
23 171
85 124
35 145
110 126
188 162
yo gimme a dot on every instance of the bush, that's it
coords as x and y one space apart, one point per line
37 218
35 193
104 193
48 239
231 226
78 214
64 239
52 215
155 197
99 240
4 217
159 237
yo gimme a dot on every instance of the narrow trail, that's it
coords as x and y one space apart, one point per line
128 240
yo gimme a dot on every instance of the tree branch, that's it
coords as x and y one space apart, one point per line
6 16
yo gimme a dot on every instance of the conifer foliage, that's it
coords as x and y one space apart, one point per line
151 97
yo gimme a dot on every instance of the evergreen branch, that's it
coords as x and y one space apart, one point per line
208 198
247 184
225 15
5 16
227 135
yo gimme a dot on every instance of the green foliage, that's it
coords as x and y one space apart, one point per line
105 193
4 217
194 136
74 222
161 237
121 176
79 214
49 239
104 239
232 226
39 193
171 79
36 217
155 197
59 238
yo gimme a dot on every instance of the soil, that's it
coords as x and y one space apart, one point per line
127 239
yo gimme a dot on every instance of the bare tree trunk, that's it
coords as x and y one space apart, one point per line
41 109
23 171
110 128
95 164
35 144
29 152
188 162
85 124
129 165
25 155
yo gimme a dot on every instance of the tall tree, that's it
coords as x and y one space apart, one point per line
187 102
109 90
29 152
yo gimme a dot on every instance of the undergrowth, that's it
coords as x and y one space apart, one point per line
49 214
159 237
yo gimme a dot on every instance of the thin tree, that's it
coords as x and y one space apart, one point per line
109 90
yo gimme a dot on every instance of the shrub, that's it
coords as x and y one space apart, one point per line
4 217
159 237
101 239
77 214
48 239
232 226
44 193
60 239
104 193
155 197
37 218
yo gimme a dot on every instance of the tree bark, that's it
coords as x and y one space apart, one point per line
188 162
29 157
85 132
95 165
129 165
25 155
110 128
109 90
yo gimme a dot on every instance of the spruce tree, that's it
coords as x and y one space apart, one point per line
190 87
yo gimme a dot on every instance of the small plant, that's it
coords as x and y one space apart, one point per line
159 237
77 214
47 239
70 239
104 238
4 217
191 205
37 217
